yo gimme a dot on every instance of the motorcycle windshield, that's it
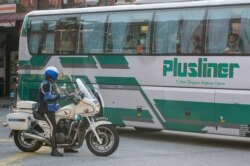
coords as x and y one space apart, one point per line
85 89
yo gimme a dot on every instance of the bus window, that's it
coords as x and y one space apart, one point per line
55 36
226 29
35 35
65 37
179 31
245 29
129 33
48 46
91 38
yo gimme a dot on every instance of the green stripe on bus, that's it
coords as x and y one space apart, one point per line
201 112
35 61
115 115
113 61
186 109
77 60
116 80
182 110
24 63
233 113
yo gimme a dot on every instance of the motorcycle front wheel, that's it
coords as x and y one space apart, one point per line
24 144
110 140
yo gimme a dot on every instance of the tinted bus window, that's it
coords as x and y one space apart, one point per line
66 35
35 35
91 36
179 31
228 30
129 32
245 29
49 37
56 36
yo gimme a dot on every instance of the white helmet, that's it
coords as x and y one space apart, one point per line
51 72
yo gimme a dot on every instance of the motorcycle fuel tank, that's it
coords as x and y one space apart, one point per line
65 112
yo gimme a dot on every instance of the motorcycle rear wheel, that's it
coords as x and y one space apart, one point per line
24 144
110 140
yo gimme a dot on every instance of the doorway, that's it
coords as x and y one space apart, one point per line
12 42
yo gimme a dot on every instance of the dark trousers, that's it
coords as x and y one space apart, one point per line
51 119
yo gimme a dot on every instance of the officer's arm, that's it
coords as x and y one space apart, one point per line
48 96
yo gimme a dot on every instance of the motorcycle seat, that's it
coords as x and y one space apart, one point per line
38 116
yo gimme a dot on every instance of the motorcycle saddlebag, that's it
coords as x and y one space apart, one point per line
18 121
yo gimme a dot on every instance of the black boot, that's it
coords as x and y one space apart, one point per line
70 150
54 151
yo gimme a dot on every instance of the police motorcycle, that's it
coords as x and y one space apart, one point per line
76 123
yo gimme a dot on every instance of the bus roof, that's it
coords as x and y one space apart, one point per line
140 7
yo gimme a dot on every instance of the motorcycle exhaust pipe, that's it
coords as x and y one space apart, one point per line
36 137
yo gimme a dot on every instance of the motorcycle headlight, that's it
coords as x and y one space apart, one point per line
97 107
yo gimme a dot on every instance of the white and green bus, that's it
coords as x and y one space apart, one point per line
182 66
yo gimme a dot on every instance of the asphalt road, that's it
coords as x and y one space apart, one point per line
141 149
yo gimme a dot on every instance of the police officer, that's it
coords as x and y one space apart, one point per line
48 106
